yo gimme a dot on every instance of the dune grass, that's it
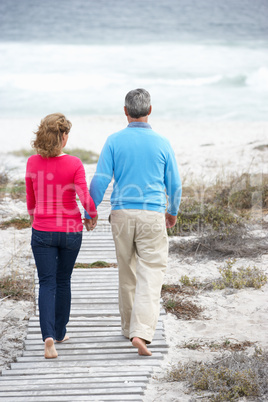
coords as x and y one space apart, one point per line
17 287
227 378
86 156
18 223
96 264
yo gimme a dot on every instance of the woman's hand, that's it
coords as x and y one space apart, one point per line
90 224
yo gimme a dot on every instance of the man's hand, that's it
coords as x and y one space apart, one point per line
90 224
170 220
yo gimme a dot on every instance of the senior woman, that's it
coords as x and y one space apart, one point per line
53 179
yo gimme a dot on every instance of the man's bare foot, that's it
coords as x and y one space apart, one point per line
141 345
50 350
66 338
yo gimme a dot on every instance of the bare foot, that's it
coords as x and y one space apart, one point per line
66 338
50 350
141 345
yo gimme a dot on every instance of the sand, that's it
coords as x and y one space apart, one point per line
204 152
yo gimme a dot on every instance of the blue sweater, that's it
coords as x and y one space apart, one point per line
144 169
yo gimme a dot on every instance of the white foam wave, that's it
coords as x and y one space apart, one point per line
76 82
183 79
55 82
259 79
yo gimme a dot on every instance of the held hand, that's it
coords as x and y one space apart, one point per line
170 220
90 224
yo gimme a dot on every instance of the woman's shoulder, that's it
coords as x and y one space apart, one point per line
34 158
71 158
70 162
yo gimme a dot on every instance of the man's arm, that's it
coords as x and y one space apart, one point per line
103 175
173 188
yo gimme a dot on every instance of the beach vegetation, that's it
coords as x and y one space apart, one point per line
24 152
17 287
86 157
17 190
179 306
4 177
262 147
18 223
222 206
227 344
186 281
227 378
195 217
240 278
235 242
4 180
96 264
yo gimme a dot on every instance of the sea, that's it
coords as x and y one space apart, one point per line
199 59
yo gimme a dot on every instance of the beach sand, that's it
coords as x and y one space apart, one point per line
204 151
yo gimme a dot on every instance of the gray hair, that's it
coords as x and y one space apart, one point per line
138 102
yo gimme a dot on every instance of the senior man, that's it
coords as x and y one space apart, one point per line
145 175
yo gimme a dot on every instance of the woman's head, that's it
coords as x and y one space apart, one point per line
50 135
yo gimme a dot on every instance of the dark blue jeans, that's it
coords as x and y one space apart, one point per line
55 254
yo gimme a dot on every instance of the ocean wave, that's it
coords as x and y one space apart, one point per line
258 79
78 82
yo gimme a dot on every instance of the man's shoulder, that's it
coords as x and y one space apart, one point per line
164 141
118 133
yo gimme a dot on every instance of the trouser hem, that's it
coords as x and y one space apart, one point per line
125 333
48 336
147 338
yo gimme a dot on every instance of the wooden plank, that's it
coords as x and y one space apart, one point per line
98 363
47 364
93 385
62 398
77 372
13 381
101 371
93 345
91 337
89 391
90 352
127 355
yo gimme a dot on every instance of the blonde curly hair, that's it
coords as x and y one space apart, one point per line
48 142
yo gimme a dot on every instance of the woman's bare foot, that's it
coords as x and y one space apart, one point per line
66 338
141 345
50 350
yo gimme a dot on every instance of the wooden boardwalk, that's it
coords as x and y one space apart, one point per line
97 363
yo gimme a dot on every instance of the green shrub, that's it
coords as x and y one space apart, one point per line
186 281
18 223
16 287
87 157
242 278
227 379
96 264
195 217
24 152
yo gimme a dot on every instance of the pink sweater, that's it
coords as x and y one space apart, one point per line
51 187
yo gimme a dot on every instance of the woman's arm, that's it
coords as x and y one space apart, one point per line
30 196
82 191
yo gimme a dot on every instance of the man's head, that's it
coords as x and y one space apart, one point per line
138 103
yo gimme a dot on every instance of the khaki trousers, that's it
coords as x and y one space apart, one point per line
141 244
